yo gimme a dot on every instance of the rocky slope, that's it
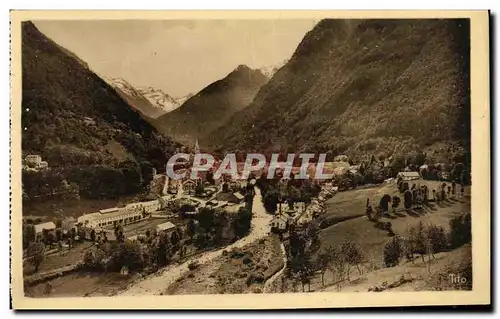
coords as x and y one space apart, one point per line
182 99
135 98
358 86
212 106
271 70
160 99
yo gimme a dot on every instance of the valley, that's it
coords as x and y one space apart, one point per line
383 104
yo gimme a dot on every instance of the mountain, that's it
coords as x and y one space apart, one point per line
212 106
159 99
362 86
181 100
135 98
81 126
270 70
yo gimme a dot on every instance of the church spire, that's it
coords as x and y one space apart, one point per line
196 147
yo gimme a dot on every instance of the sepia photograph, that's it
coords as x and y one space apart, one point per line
249 159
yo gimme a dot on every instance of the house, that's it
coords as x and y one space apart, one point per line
165 227
279 223
236 198
408 176
189 186
88 121
48 226
336 168
299 207
43 165
35 162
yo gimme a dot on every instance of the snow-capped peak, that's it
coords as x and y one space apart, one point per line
270 70
159 99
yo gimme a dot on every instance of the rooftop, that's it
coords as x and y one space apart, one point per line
409 175
48 225
282 217
165 226
238 195
108 210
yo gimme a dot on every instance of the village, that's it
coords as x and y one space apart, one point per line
186 214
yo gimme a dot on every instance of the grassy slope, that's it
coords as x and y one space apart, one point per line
363 232
425 278
372 240
360 86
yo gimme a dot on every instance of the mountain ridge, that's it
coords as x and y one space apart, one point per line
81 126
358 86
212 106
160 99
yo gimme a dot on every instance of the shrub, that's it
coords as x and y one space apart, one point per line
352 255
460 230
256 290
255 278
88 259
128 254
417 239
437 238
392 252
193 265
36 254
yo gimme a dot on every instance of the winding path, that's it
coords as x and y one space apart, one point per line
158 282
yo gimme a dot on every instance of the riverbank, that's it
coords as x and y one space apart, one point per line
236 271
157 283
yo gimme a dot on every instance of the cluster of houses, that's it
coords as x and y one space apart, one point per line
300 213
66 225
33 162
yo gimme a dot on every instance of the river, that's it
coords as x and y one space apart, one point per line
158 282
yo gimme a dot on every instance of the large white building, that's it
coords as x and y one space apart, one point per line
131 213
110 217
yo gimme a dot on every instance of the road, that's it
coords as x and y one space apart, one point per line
157 283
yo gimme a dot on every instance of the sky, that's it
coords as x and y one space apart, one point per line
176 56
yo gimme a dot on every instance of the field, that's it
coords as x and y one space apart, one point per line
420 276
345 213
58 260
363 232
80 284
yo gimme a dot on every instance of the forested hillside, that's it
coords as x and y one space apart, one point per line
363 86
86 132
